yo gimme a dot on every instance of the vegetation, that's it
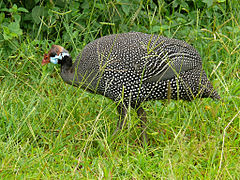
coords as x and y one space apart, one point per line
50 130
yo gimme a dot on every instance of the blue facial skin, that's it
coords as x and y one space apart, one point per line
55 59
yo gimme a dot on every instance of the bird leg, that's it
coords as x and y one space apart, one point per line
122 110
142 115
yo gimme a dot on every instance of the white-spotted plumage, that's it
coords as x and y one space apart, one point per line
140 66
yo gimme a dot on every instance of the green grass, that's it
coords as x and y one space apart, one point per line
50 130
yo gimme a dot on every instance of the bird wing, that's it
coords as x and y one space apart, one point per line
166 58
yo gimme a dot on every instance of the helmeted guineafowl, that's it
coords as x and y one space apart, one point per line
135 67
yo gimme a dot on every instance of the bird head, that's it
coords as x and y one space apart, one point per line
54 55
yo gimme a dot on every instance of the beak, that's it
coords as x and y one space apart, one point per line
45 60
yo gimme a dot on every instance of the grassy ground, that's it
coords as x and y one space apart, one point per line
49 129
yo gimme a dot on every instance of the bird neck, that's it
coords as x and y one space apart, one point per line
66 63
68 72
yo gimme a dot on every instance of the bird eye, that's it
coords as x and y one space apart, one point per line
53 54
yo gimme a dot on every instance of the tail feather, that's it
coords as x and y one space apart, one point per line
208 90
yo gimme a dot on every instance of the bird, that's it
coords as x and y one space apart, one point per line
132 68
